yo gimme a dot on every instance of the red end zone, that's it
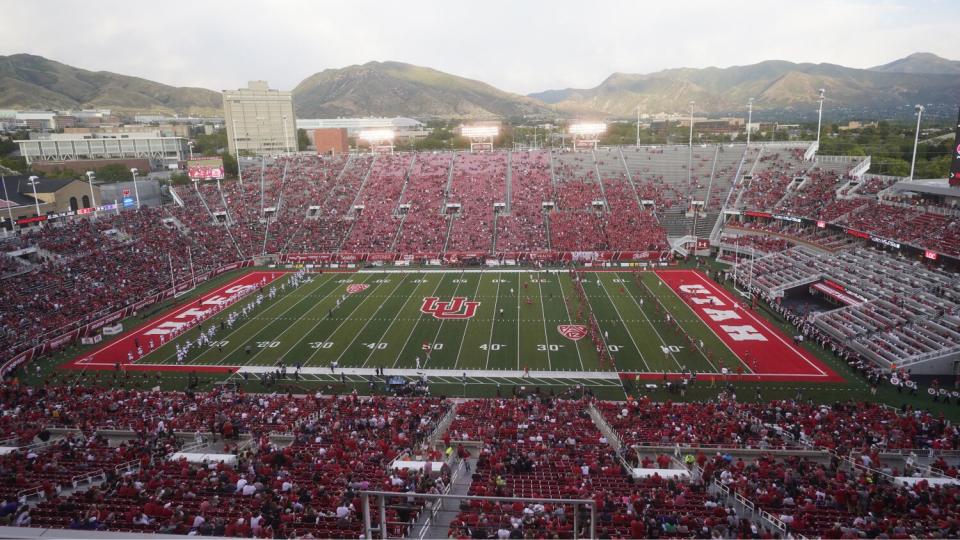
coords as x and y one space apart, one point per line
173 323
769 353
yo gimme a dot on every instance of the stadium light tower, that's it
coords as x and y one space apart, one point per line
820 117
916 139
34 180
93 201
136 190
749 118
7 198
638 126
690 154
236 146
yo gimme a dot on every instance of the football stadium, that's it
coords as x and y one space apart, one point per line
700 337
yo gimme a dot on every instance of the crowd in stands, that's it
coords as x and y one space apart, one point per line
301 461
478 182
84 267
375 228
339 446
424 228
523 229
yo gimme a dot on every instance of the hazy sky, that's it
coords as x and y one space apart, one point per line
519 46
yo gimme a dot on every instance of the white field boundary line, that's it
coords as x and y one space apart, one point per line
456 374
446 372
766 325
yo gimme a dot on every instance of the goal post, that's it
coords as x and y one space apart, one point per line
481 136
380 140
586 135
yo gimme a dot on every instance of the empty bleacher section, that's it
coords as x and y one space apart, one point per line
898 314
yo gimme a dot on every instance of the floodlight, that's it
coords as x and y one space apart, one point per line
588 128
477 132
376 135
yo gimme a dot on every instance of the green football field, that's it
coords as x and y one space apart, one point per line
515 326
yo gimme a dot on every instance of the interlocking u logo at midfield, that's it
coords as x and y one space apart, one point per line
457 308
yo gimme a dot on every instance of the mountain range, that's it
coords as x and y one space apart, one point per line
398 89
774 84
34 82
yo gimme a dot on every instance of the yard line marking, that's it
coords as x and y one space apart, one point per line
566 308
307 333
440 328
654 328
236 307
410 333
288 327
395 319
625 326
466 328
543 313
343 322
674 315
493 321
385 300
518 321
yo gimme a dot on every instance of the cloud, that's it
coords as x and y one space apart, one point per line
517 46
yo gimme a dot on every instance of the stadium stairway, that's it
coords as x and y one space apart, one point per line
437 525
676 223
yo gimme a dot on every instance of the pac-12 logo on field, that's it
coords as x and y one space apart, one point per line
572 331
357 287
457 308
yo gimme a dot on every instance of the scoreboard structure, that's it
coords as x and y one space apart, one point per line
205 168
